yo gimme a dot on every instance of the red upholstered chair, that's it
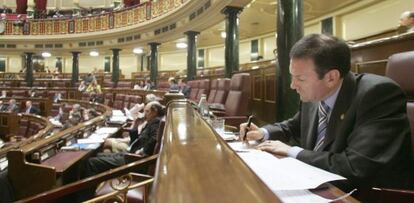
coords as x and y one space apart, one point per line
203 88
399 68
119 101
236 108
108 99
194 90
222 90
108 84
213 90
123 84
19 93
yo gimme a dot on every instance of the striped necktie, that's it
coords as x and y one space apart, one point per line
322 124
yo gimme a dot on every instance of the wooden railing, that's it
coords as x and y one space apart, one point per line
28 158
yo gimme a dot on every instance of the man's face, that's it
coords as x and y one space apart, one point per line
149 114
306 82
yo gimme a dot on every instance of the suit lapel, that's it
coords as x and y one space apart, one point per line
309 128
342 103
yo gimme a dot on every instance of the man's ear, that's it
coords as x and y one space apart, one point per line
332 77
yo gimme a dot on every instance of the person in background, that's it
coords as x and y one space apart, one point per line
148 85
57 97
139 86
82 86
3 94
121 144
184 88
13 107
31 109
32 93
94 87
354 125
89 78
407 20
173 84
3 106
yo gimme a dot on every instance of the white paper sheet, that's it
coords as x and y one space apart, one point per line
299 196
106 130
90 141
286 173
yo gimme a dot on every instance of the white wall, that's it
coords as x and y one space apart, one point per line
269 44
173 60
374 19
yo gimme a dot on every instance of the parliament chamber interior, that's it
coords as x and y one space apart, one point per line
206 101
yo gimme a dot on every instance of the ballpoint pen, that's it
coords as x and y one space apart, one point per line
249 121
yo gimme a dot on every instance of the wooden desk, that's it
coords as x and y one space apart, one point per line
196 165
63 160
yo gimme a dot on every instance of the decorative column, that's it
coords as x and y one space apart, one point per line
231 50
29 68
115 65
191 54
154 61
75 67
142 61
289 31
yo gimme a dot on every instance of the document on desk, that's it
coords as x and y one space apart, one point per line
107 130
285 173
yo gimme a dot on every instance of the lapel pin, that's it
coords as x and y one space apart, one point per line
342 116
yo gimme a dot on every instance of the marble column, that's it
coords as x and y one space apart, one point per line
289 31
75 67
231 50
115 65
29 68
191 54
154 61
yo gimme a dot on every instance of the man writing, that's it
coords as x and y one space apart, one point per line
352 125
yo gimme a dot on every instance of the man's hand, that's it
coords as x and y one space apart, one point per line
274 147
253 132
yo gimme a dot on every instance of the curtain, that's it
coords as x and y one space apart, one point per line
41 5
21 6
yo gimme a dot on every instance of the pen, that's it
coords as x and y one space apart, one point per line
249 121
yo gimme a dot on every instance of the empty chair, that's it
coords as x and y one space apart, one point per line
123 84
19 93
213 90
119 101
236 108
194 89
108 99
223 87
203 88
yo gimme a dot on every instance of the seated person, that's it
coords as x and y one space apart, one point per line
94 87
3 106
139 86
75 116
173 85
82 86
31 109
32 93
3 94
57 97
354 125
89 114
141 144
13 107
184 88
407 20
121 144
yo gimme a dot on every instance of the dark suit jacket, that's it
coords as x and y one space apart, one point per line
14 109
368 136
34 110
147 139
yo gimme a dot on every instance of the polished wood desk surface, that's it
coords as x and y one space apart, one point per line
63 160
195 165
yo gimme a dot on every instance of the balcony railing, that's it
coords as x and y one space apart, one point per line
107 21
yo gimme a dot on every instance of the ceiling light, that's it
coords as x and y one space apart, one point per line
94 53
46 54
181 45
223 34
138 51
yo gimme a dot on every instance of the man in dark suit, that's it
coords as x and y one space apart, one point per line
352 125
13 107
31 109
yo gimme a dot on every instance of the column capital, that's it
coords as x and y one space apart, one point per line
191 33
75 52
152 44
229 10
116 50
28 53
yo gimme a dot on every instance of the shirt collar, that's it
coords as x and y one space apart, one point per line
330 101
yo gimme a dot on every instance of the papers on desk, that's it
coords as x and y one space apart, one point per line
286 173
118 117
3 163
106 130
1 143
117 113
228 136
56 122
296 196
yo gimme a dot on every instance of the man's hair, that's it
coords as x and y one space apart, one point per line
327 53
157 107
150 98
